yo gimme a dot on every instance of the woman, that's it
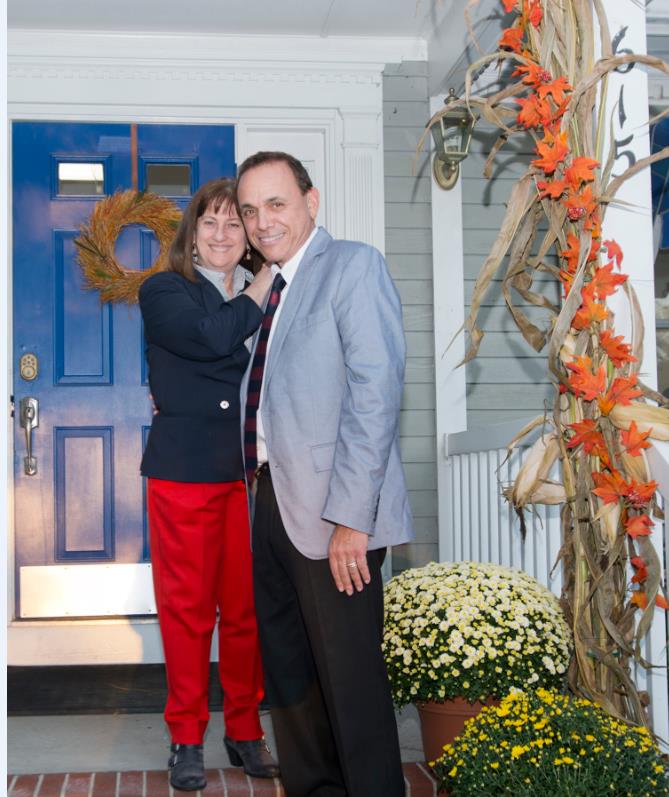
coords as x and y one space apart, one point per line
197 315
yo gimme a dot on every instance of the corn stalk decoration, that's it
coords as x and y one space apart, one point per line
601 420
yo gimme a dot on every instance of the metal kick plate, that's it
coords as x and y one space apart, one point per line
98 590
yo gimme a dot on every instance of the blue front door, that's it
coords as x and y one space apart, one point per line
79 517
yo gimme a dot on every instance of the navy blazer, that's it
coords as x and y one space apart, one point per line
197 357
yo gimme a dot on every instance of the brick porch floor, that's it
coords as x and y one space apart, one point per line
220 783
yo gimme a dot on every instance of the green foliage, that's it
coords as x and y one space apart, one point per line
471 630
546 743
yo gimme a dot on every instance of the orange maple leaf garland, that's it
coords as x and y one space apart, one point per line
571 181
634 440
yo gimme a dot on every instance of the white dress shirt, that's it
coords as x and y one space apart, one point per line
288 271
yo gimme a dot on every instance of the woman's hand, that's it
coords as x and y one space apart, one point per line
261 284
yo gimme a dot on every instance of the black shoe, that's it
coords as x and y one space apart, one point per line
187 767
254 756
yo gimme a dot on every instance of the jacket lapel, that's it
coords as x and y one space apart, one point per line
210 295
294 299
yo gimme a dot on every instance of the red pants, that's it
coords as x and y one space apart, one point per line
201 560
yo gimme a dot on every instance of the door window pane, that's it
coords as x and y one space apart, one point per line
81 179
168 179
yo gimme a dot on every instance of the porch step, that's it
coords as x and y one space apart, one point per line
220 783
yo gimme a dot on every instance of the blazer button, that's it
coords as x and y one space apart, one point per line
224 405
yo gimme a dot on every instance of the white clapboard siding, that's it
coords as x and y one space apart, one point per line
481 526
409 254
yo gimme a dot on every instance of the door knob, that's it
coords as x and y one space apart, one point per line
29 419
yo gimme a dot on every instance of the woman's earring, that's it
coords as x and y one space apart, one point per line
248 252
194 253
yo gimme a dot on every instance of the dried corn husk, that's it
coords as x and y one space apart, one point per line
646 417
636 467
550 493
534 471
609 518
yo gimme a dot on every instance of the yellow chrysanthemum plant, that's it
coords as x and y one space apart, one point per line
472 631
544 742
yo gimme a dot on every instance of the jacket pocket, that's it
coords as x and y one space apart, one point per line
313 318
323 456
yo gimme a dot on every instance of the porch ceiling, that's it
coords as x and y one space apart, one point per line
440 24
411 18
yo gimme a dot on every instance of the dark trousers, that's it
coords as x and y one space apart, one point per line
326 680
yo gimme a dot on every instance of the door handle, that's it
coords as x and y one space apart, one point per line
29 419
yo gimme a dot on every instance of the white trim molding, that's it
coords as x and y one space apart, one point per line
449 342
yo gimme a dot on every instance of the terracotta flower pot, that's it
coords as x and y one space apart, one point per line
440 723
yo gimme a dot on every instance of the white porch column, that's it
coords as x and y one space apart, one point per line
449 314
631 226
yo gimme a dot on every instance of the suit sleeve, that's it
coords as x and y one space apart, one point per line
174 320
369 319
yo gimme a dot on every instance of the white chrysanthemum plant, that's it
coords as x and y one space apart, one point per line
471 630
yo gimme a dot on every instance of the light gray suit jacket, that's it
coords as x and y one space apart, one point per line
331 399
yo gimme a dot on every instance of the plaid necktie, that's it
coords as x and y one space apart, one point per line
255 380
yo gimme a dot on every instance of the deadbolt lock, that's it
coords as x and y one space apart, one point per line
28 366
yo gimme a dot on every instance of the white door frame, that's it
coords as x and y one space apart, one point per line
258 85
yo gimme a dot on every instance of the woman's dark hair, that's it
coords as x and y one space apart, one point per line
217 194
301 174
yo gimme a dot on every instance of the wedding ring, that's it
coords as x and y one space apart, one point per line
351 564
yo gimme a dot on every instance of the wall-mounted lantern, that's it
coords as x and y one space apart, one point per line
452 134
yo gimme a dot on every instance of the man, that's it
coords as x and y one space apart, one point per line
330 491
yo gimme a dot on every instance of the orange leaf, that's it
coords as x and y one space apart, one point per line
571 253
554 189
567 279
535 74
509 5
605 282
580 171
583 382
534 111
640 493
634 440
622 391
536 13
641 570
590 312
580 204
553 150
661 601
594 223
617 351
638 526
610 486
594 250
556 89
614 252
639 598
591 439
511 40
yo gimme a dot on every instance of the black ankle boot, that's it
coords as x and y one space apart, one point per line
187 767
254 756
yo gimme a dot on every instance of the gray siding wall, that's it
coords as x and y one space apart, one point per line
409 256
508 379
